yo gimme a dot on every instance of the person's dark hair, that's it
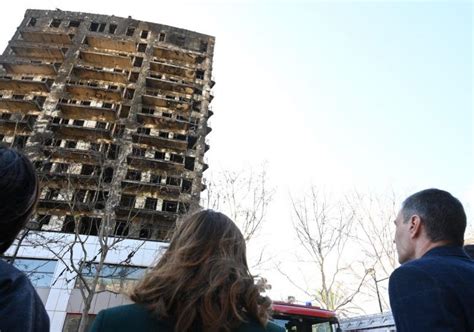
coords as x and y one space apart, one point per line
202 281
442 214
18 194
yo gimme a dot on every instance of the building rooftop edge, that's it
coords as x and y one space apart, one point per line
30 11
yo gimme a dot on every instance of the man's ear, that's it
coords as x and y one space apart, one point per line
415 226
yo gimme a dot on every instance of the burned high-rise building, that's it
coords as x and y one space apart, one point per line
114 114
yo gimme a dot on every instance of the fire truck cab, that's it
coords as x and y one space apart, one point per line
304 318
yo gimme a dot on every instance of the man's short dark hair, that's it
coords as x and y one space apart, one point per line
442 214
18 194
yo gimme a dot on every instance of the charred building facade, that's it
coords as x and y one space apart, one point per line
114 114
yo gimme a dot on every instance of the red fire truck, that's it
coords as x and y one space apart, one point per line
304 318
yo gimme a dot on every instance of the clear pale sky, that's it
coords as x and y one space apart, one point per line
343 94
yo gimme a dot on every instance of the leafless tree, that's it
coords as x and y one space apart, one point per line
244 195
74 249
325 231
374 216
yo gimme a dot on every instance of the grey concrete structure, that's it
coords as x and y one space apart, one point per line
113 112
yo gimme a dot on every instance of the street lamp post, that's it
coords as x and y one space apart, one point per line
374 277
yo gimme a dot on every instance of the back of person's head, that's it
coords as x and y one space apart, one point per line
202 281
18 194
441 213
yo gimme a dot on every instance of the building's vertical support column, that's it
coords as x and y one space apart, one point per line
202 129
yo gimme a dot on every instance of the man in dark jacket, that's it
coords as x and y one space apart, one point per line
433 289
20 306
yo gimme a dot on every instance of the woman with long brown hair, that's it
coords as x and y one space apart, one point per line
201 283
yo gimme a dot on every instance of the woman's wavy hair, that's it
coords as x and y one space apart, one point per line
202 282
19 191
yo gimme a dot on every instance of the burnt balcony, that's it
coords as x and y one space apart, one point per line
84 112
148 163
37 51
56 153
156 83
23 86
106 60
165 68
84 73
86 92
15 127
159 142
176 55
113 44
45 37
166 191
26 68
20 106
58 207
66 180
162 122
127 213
80 132
153 100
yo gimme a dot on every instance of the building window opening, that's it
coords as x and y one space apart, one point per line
186 186
32 22
150 203
172 181
170 206
133 175
55 23
139 152
141 47
94 26
148 111
121 228
189 163
133 78
161 37
130 31
177 158
108 175
144 131
69 225
101 125
90 226
127 201
200 74
144 34
129 93
145 233
155 178
102 27
71 144
112 28
113 152
159 155
74 24
87 170
124 111
138 62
